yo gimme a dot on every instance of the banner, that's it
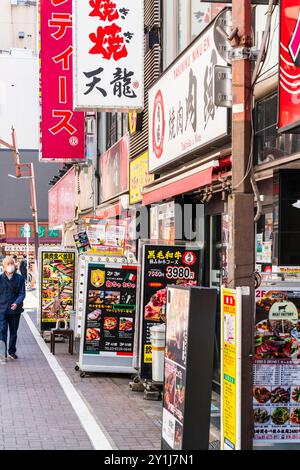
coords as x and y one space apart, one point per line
57 286
289 63
162 265
138 177
276 386
182 113
230 369
61 130
109 55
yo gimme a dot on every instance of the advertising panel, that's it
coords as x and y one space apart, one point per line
162 265
61 200
182 113
230 369
114 169
175 367
289 66
110 310
107 238
57 286
61 130
138 177
276 386
82 242
109 55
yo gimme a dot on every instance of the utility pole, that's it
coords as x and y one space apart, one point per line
241 201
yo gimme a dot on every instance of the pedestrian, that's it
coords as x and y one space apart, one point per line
12 295
23 267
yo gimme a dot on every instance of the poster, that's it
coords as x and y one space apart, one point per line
110 310
57 286
230 374
162 265
276 386
175 367
107 238
82 242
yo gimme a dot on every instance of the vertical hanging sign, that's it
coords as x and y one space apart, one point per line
61 130
289 66
108 42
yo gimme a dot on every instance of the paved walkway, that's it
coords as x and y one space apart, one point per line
35 412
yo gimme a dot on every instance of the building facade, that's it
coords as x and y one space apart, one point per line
18 25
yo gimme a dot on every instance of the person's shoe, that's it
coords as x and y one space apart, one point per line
13 356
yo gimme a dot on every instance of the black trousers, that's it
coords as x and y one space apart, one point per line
9 321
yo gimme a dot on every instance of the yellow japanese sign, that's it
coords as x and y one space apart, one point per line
148 353
132 121
229 370
139 177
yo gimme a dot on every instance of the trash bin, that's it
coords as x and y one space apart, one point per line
158 341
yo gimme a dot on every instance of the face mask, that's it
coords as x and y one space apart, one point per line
10 268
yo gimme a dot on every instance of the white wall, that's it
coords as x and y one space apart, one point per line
19 100
15 18
271 63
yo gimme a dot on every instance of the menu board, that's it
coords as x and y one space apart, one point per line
110 310
57 286
162 265
82 242
276 387
107 238
175 367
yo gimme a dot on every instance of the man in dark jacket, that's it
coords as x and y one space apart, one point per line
12 295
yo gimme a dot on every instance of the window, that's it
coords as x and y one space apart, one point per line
268 144
202 14
182 25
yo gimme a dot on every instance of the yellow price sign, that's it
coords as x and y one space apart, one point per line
148 353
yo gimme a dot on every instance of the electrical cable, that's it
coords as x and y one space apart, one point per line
256 73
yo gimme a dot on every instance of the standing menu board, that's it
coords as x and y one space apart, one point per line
162 265
276 387
190 329
109 321
56 285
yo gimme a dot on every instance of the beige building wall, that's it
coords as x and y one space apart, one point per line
16 19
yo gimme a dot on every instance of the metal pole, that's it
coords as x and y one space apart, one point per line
241 202
34 214
27 258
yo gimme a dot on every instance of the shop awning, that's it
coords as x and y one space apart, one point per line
180 184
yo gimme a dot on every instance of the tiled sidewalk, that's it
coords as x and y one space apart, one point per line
36 414
34 411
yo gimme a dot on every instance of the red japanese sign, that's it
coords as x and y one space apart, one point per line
289 62
61 129
61 200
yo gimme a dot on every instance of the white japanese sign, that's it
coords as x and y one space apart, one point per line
182 114
108 41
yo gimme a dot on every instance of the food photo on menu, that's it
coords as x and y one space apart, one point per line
277 330
96 296
92 334
155 308
110 323
126 324
94 315
112 297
